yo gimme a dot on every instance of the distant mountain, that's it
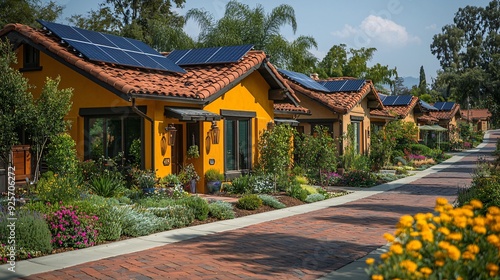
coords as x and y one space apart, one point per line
409 81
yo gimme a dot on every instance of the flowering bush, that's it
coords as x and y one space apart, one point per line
454 243
415 157
54 188
331 178
71 228
261 184
358 178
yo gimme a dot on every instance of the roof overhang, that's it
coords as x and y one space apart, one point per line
191 114
287 121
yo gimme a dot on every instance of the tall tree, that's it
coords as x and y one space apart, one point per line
152 21
244 25
469 53
28 11
422 85
340 62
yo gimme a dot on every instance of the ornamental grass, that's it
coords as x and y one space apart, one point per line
452 243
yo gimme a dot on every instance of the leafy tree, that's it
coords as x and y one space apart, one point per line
15 101
48 117
469 53
340 62
422 85
153 21
244 25
276 151
28 11
398 87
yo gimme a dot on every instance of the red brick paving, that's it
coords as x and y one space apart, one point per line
305 246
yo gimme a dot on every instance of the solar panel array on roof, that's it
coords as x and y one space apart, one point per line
304 80
97 46
343 85
215 55
444 106
397 100
382 96
427 106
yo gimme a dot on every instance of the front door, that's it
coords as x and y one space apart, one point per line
177 150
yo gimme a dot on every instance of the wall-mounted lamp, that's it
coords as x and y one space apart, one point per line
172 132
215 133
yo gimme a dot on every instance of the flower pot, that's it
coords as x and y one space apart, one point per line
148 190
193 186
213 186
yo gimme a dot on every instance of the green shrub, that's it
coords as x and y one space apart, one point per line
358 178
271 201
261 184
155 202
107 184
309 189
221 210
296 191
109 223
420 149
61 155
54 188
485 189
32 232
314 197
213 174
41 207
125 200
249 202
241 185
176 216
199 206
141 223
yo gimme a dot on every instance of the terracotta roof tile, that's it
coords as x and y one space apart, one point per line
386 113
291 108
427 119
340 102
200 82
475 114
446 115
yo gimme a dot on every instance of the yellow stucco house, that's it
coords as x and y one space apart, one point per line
336 103
447 114
221 107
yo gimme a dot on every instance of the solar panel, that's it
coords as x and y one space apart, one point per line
382 97
215 55
304 80
402 100
343 85
444 106
389 100
427 106
98 46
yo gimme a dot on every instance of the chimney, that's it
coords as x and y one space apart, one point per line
315 76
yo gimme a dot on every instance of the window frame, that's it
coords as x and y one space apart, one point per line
31 59
236 140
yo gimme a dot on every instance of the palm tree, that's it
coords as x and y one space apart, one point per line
243 25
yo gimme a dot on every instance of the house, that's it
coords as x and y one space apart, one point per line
127 95
335 104
447 114
479 118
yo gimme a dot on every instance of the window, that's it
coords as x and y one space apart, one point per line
31 59
109 135
237 144
356 126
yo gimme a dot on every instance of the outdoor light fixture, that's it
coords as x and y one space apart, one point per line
215 131
172 132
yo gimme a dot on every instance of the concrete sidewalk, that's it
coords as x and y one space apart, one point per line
306 241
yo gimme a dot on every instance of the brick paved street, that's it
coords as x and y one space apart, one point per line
305 246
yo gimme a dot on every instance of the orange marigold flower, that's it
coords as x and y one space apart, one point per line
427 236
426 271
370 261
414 245
439 263
414 233
444 218
384 256
467 255
444 231
444 245
441 201
406 221
377 277
396 249
420 216
454 253
429 215
409 265
492 269
479 221
454 236
493 239
389 237
494 210
467 212
437 220
477 204
479 229
473 248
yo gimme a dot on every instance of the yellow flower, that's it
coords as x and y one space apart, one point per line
414 245
477 204
377 277
444 218
409 265
441 201
493 239
467 212
426 271
437 220
406 221
370 261
460 222
494 210
389 237
473 248
396 249
479 221
427 236
444 245
492 269
429 215
479 229
439 263
420 216
414 234
467 255
384 256
454 253
454 236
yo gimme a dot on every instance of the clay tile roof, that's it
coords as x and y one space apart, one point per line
385 113
288 108
340 102
427 119
476 114
403 111
446 115
200 82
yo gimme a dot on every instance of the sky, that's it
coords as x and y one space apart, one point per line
400 30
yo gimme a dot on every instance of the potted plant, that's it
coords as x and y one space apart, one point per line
214 179
170 180
189 177
146 180
193 152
